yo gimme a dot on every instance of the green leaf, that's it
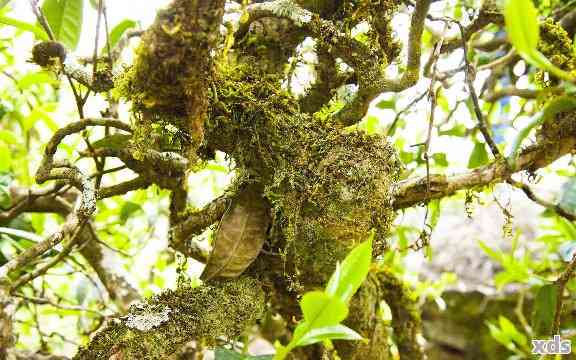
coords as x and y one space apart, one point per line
351 273
119 30
36 30
336 332
508 327
536 58
478 157
544 309
440 159
321 310
5 197
114 141
521 19
128 209
65 20
21 234
386 104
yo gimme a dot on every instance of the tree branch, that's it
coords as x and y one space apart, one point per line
157 329
413 190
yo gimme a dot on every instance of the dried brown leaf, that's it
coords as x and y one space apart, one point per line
240 235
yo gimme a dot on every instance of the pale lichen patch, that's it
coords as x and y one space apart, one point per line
149 319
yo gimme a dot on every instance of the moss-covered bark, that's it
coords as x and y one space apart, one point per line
172 72
328 187
159 327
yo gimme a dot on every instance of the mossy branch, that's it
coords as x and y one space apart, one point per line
156 329
367 61
414 190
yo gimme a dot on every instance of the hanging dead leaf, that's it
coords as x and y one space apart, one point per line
240 235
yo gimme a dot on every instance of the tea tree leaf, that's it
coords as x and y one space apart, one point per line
119 30
544 309
522 25
321 310
38 32
65 20
351 273
554 107
336 332
478 157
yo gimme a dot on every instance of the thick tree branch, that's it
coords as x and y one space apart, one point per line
413 190
157 329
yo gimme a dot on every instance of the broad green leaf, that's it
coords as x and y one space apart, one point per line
458 130
36 78
544 309
36 30
5 198
4 3
336 332
352 272
65 20
508 327
478 157
8 137
536 58
521 19
6 157
321 310
119 30
440 159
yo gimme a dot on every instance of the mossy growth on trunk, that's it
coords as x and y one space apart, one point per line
168 81
328 186
159 327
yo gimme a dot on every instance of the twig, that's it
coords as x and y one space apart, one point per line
556 208
43 269
561 283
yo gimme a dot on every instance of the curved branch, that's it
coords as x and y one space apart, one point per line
194 225
366 61
119 290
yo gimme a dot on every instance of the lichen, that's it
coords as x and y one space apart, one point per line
149 318
288 9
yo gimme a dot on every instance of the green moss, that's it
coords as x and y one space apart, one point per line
556 45
157 328
328 188
172 72
366 318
